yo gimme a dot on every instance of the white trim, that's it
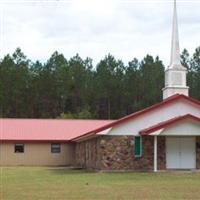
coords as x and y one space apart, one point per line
155 153
158 132
134 126
104 132
185 128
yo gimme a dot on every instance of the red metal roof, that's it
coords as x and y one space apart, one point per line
65 130
141 112
167 123
46 129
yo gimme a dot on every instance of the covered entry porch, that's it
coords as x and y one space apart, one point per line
182 142
180 152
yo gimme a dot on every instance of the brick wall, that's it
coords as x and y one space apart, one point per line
87 154
117 153
198 152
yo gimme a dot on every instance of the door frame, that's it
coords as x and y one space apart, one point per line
195 151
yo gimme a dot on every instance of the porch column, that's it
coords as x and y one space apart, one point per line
155 153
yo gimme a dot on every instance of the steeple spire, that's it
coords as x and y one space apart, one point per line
175 75
175 50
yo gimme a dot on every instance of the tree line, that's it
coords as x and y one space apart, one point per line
75 88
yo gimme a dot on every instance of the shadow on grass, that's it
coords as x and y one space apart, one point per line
78 171
70 170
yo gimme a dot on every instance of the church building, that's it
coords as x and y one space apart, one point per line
161 137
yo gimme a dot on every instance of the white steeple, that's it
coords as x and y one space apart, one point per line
175 75
175 50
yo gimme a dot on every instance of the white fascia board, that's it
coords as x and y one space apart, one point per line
182 134
104 132
158 132
107 132
186 128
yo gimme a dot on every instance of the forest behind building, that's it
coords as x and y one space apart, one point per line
76 88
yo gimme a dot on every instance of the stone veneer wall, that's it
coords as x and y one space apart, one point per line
161 152
116 153
198 152
88 154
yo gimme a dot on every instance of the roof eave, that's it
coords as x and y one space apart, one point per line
138 113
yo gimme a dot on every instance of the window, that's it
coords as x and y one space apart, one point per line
55 148
19 148
138 146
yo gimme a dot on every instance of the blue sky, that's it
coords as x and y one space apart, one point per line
94 28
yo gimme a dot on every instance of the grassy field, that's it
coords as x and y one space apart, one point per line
26 183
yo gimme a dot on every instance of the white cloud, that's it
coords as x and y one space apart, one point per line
93 28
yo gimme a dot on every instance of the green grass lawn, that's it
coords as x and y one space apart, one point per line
34 183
